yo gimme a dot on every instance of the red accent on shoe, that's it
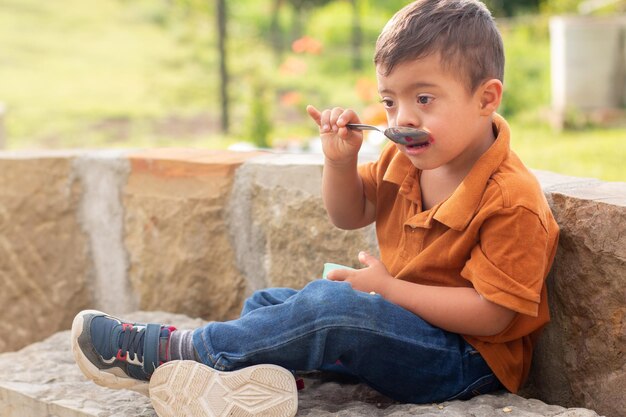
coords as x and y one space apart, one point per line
300 384
127 326
167 345
121 357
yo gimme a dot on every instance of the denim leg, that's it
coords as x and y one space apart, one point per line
265 298
386 346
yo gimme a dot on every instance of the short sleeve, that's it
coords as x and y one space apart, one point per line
510 262
368 173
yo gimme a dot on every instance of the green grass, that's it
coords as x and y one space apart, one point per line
118 73
68 68
597 153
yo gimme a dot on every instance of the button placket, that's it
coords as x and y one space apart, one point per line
413 240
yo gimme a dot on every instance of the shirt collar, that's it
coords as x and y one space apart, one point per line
458 210
403 173
400 169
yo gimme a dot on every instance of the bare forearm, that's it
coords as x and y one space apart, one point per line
342 191
342 188
455 309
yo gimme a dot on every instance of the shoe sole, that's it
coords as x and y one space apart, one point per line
191 389
91 371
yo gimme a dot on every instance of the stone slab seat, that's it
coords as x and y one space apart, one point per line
197 231
42 380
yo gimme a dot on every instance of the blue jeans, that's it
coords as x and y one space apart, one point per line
389 348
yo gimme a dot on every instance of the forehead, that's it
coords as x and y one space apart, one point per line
430 69
424 69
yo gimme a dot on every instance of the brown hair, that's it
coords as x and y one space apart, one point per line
461 31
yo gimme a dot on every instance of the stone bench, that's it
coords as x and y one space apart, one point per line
194 232
42 380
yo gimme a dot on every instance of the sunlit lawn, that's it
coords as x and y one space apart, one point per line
598 153
67 66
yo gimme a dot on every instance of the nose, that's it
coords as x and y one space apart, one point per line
407 116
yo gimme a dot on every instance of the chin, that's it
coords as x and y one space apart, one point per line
422 164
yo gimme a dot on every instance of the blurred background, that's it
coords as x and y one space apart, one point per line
217 74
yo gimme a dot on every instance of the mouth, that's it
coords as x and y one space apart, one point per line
421 144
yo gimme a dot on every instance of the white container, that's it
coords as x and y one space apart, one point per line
588 58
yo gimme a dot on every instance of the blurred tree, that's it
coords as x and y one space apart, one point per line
221 14
192 16
258 124
503 8
300 9
559 6
508 8
357 36
276 36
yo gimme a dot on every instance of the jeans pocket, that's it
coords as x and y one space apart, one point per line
483 385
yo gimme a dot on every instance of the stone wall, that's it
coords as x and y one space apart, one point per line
195 232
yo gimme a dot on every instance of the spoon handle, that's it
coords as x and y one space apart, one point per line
359 126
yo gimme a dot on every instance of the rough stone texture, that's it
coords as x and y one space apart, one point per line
43 381
181 258
279 227
196 231
102 175
581 359
44 264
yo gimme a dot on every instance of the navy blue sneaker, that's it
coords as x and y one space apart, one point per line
118 354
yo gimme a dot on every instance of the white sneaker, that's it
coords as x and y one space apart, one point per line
191 389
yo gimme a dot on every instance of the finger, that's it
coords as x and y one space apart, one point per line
315 114
367 259
334 116
348 116
338 275
350 135
325 126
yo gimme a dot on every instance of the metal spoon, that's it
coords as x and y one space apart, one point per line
403 135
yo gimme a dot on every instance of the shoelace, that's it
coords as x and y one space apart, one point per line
132 342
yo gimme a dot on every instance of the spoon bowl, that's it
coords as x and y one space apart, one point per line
402 135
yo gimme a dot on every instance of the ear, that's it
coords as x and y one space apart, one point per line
490 96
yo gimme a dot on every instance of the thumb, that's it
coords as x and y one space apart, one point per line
338 274
367 259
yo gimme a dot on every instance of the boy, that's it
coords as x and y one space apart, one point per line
455 304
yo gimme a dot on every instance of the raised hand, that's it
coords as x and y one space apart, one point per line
339 143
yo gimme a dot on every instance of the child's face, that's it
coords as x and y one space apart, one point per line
420 93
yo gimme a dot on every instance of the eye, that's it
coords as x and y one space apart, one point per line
388 103
424 99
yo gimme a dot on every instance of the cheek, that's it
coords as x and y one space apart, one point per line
437 128
390 118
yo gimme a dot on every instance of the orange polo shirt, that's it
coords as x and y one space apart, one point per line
495 233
